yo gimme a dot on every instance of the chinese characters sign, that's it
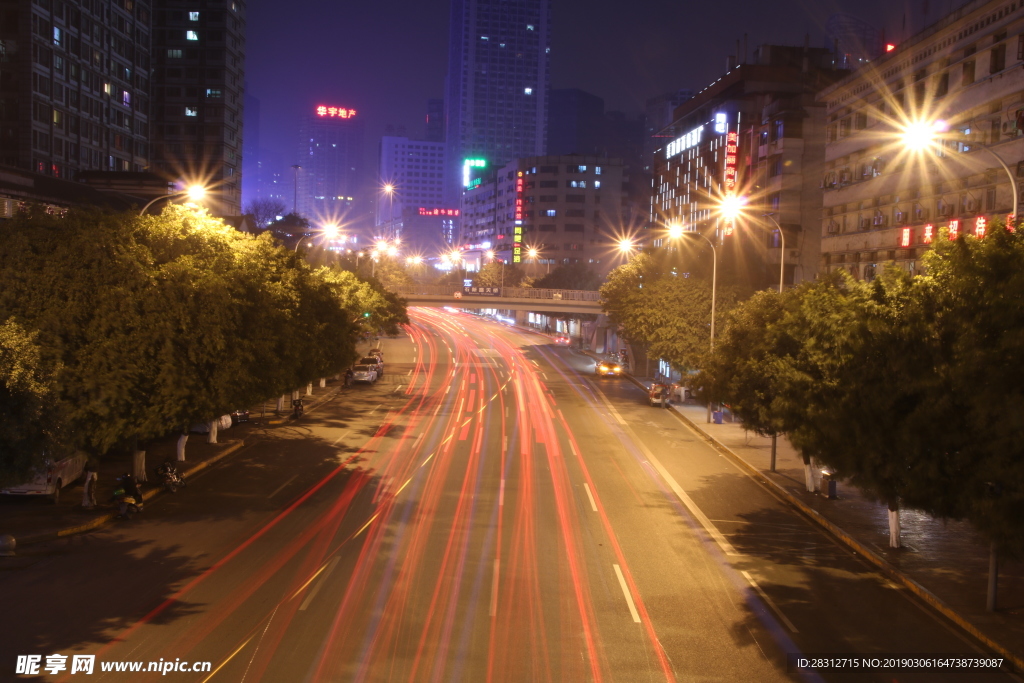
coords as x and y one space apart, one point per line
438 212
335 112
731 152
517 235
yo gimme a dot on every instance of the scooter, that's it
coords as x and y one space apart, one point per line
127 504
168 473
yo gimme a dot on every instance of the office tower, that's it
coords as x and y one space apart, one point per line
435 121
331 179
575 122
251 165
498 83
74 86
199 69
410 202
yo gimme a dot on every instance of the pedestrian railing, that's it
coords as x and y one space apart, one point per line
502 292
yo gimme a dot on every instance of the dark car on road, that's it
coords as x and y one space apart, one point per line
607 368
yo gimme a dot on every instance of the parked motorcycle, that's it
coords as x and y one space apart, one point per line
171 478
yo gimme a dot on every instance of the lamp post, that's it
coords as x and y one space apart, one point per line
676 231
328 231
782 255
389 190
194 192
924 135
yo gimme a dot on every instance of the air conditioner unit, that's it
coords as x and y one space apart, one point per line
878 220
942 210
921 214
971 205
832 227
864 223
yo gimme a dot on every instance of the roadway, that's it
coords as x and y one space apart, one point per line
489 511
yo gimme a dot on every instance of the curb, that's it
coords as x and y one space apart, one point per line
103 519
892 572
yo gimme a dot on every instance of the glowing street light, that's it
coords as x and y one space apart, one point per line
675 230
730 207
625 246
195 193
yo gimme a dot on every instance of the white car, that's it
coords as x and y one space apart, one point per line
50 477
364 373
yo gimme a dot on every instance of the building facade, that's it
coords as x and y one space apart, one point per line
756 133
75 86
567 208
498 84
330 178
414 172
883 204
199 65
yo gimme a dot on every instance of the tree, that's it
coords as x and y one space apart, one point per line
500 275
265 211
570 276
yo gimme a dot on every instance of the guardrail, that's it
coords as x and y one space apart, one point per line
505 292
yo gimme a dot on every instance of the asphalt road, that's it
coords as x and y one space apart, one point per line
489 511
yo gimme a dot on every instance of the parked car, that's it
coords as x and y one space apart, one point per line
607 368
376 352
364 373
375 362
240 415
50 477
658 394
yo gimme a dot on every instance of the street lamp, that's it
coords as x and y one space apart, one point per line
675 231
194 193
625 246
328 231
490 254
924 136
782 255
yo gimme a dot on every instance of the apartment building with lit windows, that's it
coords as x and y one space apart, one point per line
74 86
885 205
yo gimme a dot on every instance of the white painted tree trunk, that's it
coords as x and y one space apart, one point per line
139 465
295 394
323 382
182 440
212 436
809 478
280 403
894 525
309 389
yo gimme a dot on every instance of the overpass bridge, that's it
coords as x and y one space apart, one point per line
505 298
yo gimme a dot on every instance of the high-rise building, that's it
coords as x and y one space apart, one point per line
576 123
331 179
498 83
199 70
74 86
251 165
660 112
435 121
410 202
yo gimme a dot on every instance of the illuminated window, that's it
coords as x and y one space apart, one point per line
107 89
529 27
174 54
597 183
58 37
528 91
126 98
193 16
191 35
551 212
213 92
191 111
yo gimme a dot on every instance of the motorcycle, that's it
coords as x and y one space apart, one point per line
128 497
170 477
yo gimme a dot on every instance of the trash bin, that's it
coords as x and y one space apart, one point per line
828 484
716 416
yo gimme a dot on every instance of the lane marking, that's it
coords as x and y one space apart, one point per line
593 505
335 442
376 409
230 657
625 591
687 501
544 375
769 602
278 489
398 388
494 590
323 579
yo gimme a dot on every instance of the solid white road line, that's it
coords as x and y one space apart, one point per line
494 589
590 495
625 591
686 500
769 602
278 489
316 588
341 437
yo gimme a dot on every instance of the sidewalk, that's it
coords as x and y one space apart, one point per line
33 521
943 562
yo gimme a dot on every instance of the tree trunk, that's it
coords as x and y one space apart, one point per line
894 523
280 403
181 446
309 389
295 394
809 475
774 439
138 461
993 578
323 382
212 436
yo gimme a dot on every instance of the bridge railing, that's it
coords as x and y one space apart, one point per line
505 292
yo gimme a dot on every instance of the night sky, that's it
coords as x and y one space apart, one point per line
385 59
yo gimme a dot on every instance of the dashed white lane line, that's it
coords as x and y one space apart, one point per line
625 591
593 505
316 588
769 602
278 489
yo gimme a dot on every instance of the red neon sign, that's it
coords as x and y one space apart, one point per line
335 112
438 212
731 152
929 233
954 228
980 226
906 237
517 235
